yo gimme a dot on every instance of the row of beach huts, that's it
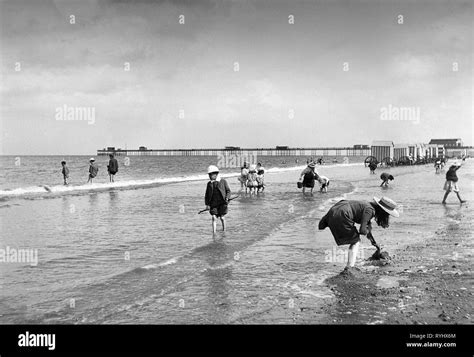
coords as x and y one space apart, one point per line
388 152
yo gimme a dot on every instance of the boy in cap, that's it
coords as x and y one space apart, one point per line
93 169
216 197
451 183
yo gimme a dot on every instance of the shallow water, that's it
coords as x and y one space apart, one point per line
146 256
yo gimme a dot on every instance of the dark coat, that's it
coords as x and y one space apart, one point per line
113 166
223 188
341 219
451 174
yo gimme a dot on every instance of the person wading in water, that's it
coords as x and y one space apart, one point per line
309 175
216 197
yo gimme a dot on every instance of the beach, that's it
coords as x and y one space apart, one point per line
136 251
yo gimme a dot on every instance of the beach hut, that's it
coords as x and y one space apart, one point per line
416 150
382 150
422 150
399 151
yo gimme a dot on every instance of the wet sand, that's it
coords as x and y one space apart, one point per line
429 282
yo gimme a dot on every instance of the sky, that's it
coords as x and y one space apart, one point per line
235 73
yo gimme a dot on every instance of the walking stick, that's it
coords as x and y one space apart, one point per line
207 209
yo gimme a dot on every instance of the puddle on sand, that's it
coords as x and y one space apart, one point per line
388 282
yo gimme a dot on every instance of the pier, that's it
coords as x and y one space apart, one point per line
278 151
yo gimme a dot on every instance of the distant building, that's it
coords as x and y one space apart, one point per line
449 143
232 148
361 147
142 148
382 149
110 148
282 148
435 151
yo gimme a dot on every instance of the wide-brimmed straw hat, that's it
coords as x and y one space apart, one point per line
312 164
388 205
91 159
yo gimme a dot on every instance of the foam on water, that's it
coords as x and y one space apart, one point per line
45 190
165 263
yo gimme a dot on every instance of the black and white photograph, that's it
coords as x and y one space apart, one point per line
237 163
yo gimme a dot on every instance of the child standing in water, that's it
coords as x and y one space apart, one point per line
260 177
252 183
112 168
65 172
216 197
372 167
93 169
451 183
244 173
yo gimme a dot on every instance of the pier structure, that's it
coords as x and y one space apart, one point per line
279 151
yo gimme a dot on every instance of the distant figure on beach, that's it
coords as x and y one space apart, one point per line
341 219
385 177
244 173
372 167
65 172
252 183
93 169
308 176
451 183
260 178
320 161
216 197
112 168
324 182
437 166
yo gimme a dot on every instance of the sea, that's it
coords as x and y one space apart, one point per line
137 252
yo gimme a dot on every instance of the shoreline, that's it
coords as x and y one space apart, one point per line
421 284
